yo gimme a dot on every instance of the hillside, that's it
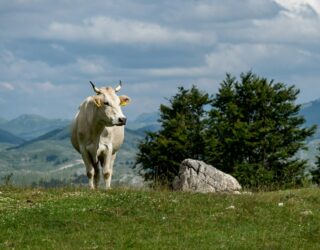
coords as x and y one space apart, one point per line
51 156
127 219
48 154
311 112
2 120
7 137
31 126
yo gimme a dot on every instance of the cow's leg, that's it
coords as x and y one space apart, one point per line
96 176
107 167
109 172
89 166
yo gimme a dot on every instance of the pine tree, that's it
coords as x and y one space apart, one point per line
316 171
257 130
182 136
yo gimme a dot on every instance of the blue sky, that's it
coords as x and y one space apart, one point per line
50 50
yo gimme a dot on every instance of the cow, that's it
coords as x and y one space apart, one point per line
97 132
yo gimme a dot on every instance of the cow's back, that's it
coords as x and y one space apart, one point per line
74 133
79 124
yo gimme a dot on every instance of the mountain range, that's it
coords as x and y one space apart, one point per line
311 112
31 126
7 137
35 148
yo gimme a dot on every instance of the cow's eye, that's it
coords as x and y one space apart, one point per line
106 103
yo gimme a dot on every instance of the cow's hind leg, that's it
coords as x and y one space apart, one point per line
96 176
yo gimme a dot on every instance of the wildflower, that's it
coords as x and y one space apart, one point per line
306 212
231 207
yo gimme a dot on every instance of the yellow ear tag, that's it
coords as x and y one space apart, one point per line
97 102
123 103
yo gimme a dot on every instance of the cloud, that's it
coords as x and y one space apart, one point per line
301 7
106 30
286 29
6 86
90 67
153 47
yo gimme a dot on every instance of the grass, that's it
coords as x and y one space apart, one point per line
128 219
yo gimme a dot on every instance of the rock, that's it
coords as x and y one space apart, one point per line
197 176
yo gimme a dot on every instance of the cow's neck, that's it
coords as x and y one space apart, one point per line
96 127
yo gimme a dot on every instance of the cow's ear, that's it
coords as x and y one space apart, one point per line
97 101
124 100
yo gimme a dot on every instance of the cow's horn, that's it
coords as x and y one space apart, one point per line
95 88
117 89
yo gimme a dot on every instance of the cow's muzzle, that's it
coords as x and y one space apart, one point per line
122 121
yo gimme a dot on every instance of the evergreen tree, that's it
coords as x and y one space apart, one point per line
255 131
316 172
182 136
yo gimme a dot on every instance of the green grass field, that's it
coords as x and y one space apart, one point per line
128 219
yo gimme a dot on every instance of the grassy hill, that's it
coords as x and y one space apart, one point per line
51 156
127 219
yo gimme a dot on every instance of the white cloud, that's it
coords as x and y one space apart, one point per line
90 66
6 86
300 7
287 29
13 67
271 59
46 86
176 71
57 47
106 30
153 47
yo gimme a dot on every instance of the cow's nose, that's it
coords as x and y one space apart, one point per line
123 120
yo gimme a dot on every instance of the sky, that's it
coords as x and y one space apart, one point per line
50 50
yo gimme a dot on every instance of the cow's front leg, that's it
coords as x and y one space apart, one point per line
107 166
89 166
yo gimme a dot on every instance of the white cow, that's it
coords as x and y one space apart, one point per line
97 132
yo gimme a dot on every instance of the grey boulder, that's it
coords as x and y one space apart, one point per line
197 176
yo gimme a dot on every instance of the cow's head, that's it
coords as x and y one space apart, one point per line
109 105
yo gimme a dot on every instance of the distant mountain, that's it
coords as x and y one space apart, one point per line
311 112
2 120
152 117
145 120
148 128
7 137
57 134
31 126
131 137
